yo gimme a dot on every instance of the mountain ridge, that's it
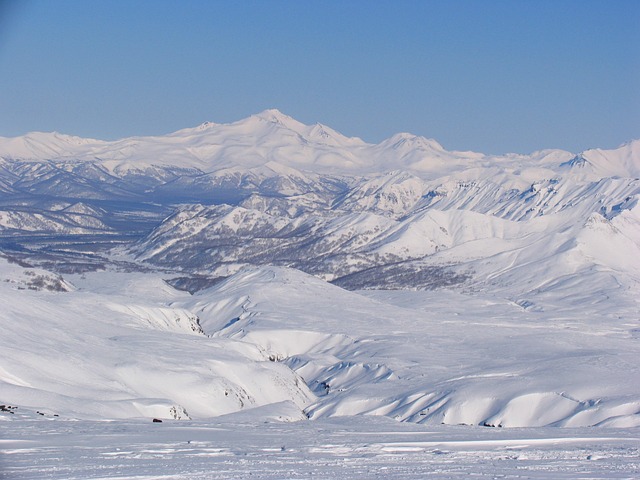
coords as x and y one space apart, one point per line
336 276
273 136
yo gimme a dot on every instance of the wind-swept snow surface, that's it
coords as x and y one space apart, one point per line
352 447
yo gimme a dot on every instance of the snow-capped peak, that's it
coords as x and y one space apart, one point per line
407 141
623 161
274 136
323 134
274 115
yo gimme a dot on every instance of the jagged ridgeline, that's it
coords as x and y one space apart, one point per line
269 190
317 275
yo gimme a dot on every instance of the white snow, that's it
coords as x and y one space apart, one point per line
472 379
43 447
269 136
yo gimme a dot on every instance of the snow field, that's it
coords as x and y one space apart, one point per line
36 447
268 335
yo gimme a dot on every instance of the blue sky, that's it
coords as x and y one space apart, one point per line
490 76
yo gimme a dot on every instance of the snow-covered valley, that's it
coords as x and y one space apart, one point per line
270 271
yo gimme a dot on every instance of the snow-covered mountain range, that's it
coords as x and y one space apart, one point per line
438 259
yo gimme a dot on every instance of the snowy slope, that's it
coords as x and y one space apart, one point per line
118 355
480 290
463 224
423 357
127 345
620 162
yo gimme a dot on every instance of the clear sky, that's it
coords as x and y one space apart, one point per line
490 76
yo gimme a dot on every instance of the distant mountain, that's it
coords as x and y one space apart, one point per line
270 190
268 137
486 290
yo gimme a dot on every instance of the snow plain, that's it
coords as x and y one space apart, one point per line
348 447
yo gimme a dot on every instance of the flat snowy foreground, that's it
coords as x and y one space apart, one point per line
347 447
